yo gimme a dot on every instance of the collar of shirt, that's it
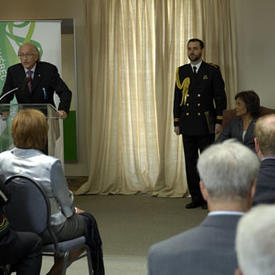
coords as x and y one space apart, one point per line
213 213
196 65
32 69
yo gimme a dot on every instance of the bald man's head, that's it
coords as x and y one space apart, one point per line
29 55
264 133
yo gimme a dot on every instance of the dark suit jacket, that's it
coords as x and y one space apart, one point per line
197 115
6 234
45 82
208 249
235 130
265 186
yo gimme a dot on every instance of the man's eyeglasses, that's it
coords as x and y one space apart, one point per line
28 55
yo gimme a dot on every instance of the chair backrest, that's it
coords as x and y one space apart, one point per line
28 208
229 114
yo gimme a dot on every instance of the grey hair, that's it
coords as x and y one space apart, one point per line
228 169
255 241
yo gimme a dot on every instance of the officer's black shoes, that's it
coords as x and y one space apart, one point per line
193 204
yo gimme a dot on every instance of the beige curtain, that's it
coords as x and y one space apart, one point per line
135 47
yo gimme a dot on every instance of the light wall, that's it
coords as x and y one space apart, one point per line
60 9
256 47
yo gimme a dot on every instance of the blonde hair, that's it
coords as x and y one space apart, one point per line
29 129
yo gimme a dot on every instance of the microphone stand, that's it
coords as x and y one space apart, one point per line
9 92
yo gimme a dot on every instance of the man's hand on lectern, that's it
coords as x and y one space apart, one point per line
62 114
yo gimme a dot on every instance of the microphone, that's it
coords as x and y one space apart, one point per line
21 87
7 93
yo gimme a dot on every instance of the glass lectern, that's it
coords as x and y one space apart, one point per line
55 136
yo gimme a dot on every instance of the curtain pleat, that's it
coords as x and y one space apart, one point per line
135 47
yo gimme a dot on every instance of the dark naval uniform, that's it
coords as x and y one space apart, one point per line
198 105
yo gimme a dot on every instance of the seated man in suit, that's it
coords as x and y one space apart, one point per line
255 242
228 174
22 250
265 148
36 81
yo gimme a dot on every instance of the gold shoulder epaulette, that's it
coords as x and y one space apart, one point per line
214 65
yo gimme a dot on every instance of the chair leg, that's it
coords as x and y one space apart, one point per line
89 260
65 262
58 266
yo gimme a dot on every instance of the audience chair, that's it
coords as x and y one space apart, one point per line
29 210
229 114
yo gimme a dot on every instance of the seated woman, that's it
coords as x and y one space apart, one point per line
242 128
29 130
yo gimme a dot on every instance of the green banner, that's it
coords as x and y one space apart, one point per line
10 41
8 38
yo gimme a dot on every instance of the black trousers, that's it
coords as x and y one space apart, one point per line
93 240
79 225
23 254
192 146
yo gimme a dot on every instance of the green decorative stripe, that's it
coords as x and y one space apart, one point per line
4 224
8 57
70 138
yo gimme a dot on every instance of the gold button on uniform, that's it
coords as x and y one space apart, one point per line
199 104
199 114
187 104
199 95
187 114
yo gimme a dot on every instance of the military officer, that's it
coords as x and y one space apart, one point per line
199 102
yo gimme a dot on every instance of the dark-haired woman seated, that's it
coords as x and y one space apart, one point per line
242 127
30 131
